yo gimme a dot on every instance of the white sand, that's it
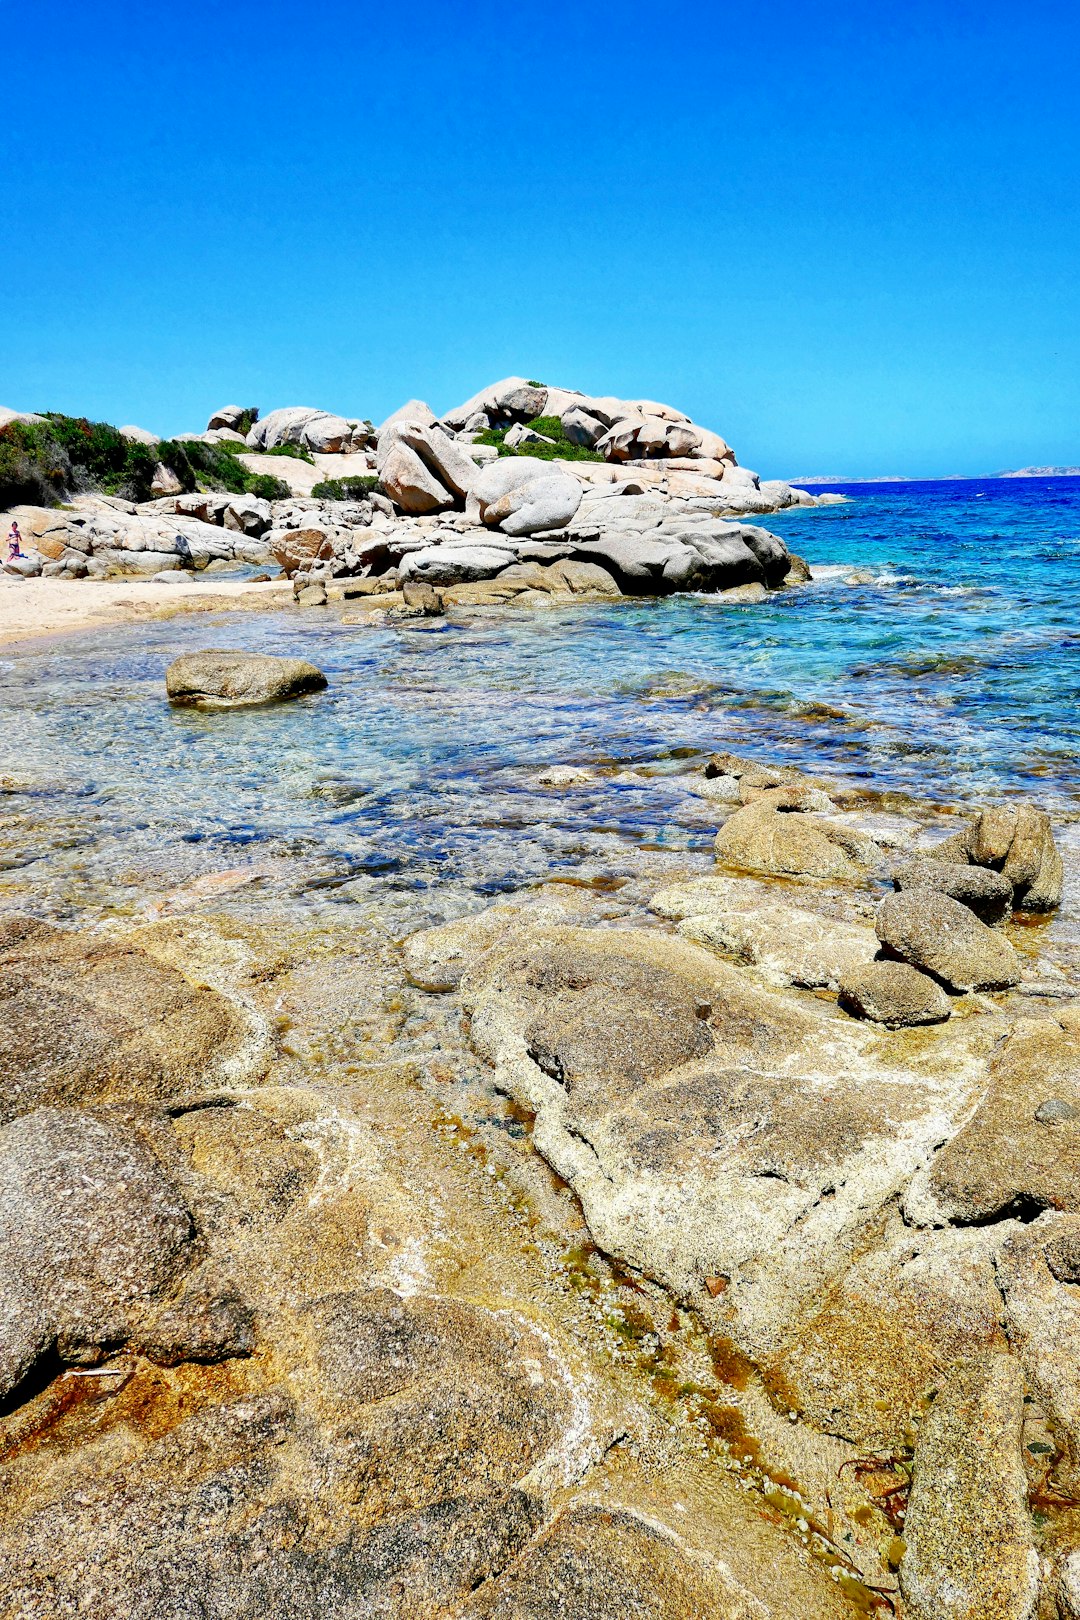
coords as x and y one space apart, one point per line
49 607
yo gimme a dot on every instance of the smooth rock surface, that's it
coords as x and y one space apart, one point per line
221 679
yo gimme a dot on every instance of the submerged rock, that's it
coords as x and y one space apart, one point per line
218 679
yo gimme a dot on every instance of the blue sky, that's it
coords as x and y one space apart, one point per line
851 245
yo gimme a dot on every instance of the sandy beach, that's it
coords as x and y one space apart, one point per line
30 608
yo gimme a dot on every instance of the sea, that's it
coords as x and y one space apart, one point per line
935 653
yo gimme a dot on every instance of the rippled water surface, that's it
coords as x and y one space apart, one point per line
937 651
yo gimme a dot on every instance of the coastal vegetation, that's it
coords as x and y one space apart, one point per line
549 428
44 462
344 489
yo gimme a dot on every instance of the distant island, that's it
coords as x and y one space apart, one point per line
954 478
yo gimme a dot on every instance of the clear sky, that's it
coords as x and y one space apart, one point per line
845 235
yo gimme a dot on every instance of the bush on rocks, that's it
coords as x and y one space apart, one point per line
344 489
549 427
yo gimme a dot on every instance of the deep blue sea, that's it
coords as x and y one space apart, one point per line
937 651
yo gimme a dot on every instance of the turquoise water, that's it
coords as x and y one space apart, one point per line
937 651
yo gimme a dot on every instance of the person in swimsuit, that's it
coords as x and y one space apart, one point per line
14 542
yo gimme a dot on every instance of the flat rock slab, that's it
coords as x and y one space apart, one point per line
789 944
222 679
940 935
1021 1148
84 1019
970 1551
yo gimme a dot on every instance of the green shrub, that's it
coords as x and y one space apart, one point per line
33 467
534 384
562 448
219 466
267 488
297 452
344 489
248 420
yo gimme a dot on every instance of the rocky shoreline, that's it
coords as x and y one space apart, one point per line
685 1245
631 489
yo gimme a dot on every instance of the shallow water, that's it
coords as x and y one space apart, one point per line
937 652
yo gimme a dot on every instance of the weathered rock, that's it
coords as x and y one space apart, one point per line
449 565
220 679
538 504
945 939
1021 1149
970 1551
583 577
164 481
444 459
247 514
580 427
988 894
789 945
894 994
1018 841
410 483
303 425
139 435
866 1364
717 1165
87 1019
1037 1274
763 836
229 416
297 549
414 410
95 1230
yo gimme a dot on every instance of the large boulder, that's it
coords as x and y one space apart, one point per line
302 425
988 894
224 679
940 935
535 505
769 836
970 1547
453 469
229 418
451 565
514 398
409 482
94 1230
247 514
139 435
1018 842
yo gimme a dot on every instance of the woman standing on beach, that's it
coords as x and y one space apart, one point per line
14 542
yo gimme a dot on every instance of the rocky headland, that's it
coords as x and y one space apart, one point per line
522 492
